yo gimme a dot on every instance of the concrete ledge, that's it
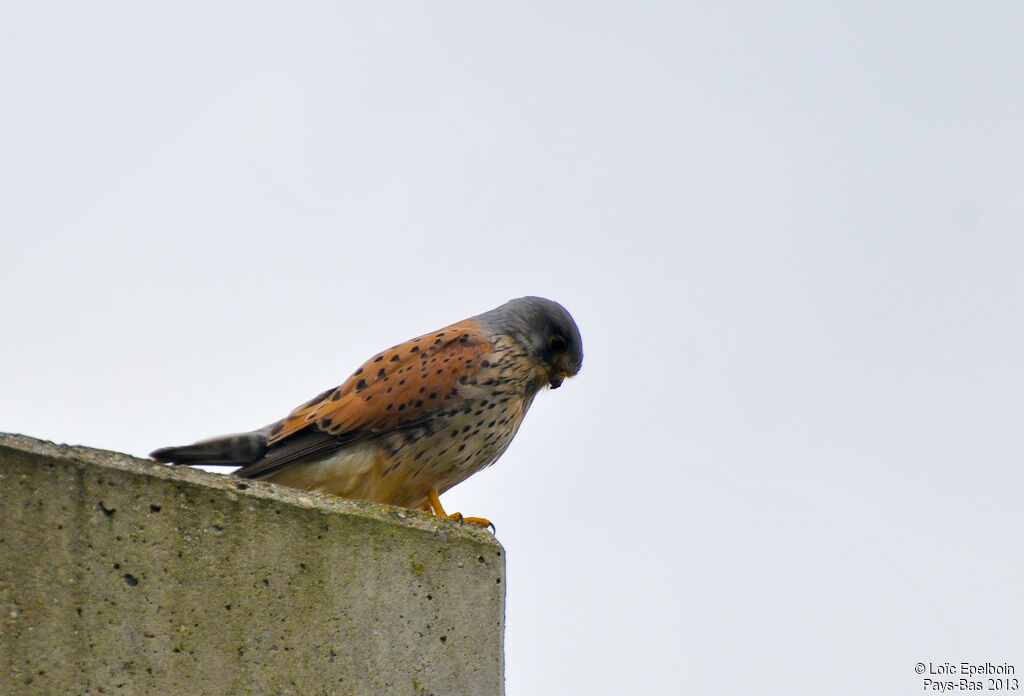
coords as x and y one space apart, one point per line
123 576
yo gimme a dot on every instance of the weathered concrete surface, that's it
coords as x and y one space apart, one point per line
122 576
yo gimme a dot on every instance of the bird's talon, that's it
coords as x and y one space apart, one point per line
478 520
434 504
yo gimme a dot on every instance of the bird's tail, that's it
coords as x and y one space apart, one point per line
227 450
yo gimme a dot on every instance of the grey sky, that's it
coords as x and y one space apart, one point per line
792 236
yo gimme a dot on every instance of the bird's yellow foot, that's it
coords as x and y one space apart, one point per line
434 501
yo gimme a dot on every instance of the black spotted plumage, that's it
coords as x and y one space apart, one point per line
415 419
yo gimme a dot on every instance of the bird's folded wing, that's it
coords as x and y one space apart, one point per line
402 387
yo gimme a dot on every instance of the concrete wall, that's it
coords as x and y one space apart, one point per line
122 576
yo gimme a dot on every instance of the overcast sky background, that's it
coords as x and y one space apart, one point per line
792 236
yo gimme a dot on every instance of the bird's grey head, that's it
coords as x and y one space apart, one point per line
545 329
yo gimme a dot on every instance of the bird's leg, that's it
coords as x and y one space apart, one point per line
434 501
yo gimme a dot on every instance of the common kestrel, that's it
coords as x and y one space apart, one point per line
416 419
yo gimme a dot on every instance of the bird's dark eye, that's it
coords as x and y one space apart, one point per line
557 344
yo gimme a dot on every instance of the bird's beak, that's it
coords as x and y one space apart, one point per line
555 377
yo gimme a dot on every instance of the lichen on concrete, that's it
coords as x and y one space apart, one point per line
122 576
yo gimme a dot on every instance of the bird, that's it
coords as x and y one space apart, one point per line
416 419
